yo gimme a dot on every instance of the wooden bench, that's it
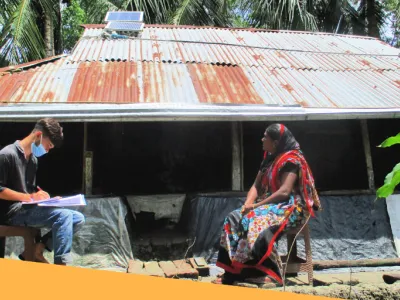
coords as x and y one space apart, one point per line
295 263
27 233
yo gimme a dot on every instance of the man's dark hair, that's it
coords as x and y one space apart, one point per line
50 129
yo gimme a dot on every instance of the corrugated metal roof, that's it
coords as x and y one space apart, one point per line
300 40
185 66
241 47
149 82
178 52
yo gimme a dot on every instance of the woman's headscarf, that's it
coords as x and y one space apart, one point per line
286 142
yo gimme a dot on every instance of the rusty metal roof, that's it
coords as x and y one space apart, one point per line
149 82
187 68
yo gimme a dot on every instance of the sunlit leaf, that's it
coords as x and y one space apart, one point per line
390 141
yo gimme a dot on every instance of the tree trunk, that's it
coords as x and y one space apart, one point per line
371 19
58 45
48 35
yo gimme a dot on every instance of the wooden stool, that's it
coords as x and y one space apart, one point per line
295 263
29 234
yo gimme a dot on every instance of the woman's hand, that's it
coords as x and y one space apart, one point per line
246 208
283 194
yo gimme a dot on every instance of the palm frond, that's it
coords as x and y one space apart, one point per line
282 14
203 12
96 10
21 39
155 11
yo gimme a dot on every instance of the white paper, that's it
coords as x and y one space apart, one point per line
77 200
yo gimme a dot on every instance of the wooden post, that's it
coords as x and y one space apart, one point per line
368 157
2 247
88 172
83 156
237 157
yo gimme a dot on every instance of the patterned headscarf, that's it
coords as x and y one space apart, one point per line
286 142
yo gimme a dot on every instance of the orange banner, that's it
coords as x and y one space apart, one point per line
27 280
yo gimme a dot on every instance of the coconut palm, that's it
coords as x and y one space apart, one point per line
31 29
337 16
27 29
393 15
188 12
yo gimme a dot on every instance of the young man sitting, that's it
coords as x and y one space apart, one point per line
18 166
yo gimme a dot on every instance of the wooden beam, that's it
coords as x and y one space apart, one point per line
345 192
237 157
321 193
367 152
333 264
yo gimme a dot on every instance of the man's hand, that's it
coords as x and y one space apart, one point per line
40 195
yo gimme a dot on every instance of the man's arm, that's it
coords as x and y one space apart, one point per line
9 194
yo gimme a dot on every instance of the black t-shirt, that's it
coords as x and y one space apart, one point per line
18 174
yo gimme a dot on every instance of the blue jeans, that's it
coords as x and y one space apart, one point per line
62 222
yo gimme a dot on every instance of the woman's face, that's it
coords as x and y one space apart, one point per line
269 144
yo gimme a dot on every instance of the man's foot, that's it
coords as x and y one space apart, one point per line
39 249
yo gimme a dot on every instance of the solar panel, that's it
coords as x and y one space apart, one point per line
125 26
125 16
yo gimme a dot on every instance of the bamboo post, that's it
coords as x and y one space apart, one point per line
237 157
83 155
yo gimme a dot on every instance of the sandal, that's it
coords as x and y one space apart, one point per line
266 282
225 278
218 280
259 280
390 279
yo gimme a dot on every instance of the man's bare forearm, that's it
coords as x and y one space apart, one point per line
11 195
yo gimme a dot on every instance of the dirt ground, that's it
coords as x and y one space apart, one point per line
361 285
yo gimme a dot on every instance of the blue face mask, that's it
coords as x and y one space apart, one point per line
38 150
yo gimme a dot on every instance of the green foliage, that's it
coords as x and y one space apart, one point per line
72 17
21 37
281 14
392 8
390 141
393 178
22 32
391 181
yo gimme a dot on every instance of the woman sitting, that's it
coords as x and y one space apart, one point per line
282 196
